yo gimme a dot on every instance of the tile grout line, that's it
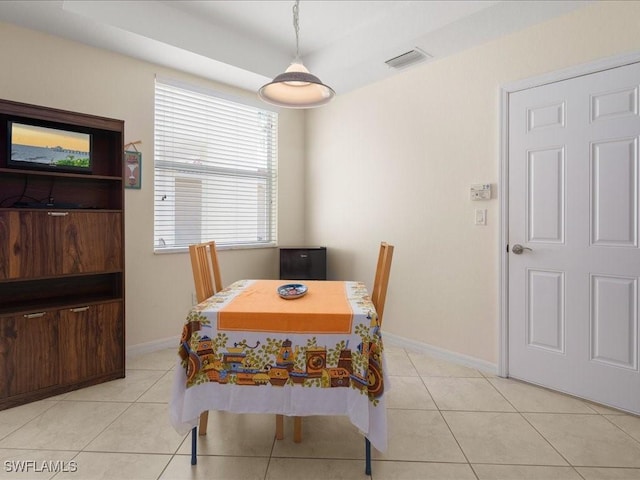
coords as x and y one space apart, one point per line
173 455
273 447
459 446
619 427
534 428
54 403
515 410
545 438
444 420
186 438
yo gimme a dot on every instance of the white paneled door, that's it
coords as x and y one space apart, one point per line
574 257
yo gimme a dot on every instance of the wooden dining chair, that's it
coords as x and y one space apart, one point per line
205 269
207 280
378 298
381 282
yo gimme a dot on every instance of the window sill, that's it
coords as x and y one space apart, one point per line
166 251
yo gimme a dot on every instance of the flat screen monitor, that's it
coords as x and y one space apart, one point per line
45 148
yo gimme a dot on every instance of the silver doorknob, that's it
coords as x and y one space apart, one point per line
518 249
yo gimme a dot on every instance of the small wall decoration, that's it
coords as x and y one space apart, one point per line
132 166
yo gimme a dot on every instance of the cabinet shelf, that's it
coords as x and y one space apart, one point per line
59 278
90 191
56 304
45 173
59 209
70 291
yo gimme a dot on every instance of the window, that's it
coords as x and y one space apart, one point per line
215 170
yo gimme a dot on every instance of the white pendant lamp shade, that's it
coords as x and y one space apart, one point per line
296 88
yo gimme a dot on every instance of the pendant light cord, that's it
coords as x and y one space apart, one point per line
296 26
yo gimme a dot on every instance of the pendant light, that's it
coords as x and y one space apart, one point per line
296 87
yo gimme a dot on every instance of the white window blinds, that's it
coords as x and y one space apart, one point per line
215 170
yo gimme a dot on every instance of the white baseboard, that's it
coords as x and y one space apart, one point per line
142 348
441 353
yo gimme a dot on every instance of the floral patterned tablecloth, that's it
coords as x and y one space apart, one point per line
301 369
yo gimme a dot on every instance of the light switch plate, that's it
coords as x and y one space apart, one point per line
481 216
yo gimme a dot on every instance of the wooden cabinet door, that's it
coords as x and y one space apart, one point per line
91 341
28 353
4 245
91 242
41 244
31 247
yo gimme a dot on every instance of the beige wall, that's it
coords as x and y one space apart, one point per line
45 70
394 161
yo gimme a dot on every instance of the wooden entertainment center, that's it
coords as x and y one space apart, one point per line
61 262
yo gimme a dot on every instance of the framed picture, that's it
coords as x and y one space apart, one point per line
132 169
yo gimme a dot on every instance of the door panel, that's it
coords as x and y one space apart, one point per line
91 342
31 249
5 247
545 319
573 200
91 242
614 321
28 353
545 195
614 192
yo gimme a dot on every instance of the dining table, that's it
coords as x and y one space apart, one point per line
283 347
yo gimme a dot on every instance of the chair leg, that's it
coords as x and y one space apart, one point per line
297 429
279 427
204 420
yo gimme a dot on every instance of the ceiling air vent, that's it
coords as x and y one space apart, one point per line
408 58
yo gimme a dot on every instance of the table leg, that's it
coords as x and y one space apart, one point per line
279 427
367 453
297 429
194 445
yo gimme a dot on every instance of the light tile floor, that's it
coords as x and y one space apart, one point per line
446 421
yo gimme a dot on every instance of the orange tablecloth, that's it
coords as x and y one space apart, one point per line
323 309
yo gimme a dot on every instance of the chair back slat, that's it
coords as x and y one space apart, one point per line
381 281
205 269
215 266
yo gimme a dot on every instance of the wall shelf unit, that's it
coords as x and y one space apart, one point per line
61 261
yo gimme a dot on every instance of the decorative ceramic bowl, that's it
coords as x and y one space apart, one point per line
292 290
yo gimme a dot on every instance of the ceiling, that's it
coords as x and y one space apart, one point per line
246 43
